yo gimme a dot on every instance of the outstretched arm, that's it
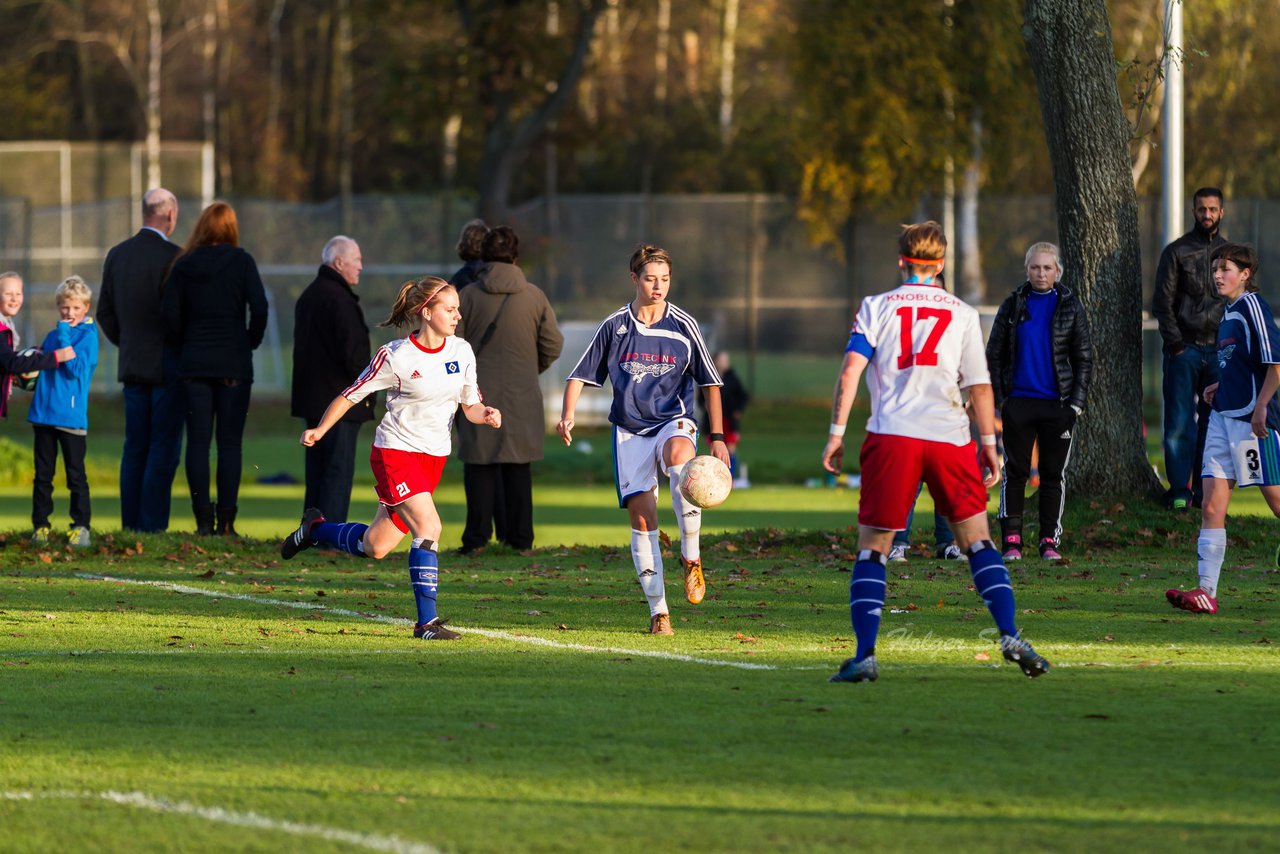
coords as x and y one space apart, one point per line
478 413
982 401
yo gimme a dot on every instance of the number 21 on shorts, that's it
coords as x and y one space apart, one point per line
928 353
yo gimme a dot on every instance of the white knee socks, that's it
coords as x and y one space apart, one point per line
1211 548
647 556
690 517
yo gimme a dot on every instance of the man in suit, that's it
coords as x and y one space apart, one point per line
330 349
129 315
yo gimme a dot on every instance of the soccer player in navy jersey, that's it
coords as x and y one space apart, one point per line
1242 445
652 352
427 375
921 347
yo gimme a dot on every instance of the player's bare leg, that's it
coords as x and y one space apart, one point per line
676 454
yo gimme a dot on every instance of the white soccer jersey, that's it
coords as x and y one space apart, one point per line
924 345
424 389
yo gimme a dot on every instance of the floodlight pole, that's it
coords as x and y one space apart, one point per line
1172 205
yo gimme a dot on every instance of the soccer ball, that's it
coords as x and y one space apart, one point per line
706 481
27 381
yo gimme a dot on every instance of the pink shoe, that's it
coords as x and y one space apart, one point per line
1048 550
1012 548
1196 601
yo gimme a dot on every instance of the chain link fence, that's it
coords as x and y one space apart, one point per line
743 263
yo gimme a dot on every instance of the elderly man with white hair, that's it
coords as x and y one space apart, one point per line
330 349
129 314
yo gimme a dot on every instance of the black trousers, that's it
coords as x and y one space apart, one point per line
48 441
330 468
215 408
1028 421
501 493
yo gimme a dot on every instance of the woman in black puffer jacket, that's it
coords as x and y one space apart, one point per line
1041 360
215 313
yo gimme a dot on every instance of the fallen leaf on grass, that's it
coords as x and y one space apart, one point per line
50 616
982 656
208 573
739 636
534 613
664 539
562 627
1099 717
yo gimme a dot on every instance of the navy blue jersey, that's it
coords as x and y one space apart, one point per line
655 370
1248 342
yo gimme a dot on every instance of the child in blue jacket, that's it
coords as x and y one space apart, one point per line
60 413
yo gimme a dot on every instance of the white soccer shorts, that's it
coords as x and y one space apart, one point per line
637 459
1232 452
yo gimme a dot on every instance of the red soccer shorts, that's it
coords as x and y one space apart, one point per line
894 466
399 475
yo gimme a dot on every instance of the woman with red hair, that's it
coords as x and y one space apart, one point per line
215 313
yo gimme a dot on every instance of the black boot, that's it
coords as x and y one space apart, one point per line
226 522
204 519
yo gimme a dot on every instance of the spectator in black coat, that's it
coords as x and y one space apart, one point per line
212 286
470 248
129 314
330 349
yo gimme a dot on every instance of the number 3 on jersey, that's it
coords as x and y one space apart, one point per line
928 353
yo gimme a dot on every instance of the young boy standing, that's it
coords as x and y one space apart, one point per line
653 354
59 413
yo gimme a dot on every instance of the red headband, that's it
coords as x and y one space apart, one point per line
920 260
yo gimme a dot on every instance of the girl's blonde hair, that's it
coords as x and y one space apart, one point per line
415 295
647 254
74 287
922 246
1047 248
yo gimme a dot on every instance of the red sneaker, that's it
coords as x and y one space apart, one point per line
1196 601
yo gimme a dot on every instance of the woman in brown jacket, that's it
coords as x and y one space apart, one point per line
512 328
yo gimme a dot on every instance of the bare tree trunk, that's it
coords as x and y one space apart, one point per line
973 285
208 55
92 127
155 44
346 110
1069 42
728 46
274 139
224 78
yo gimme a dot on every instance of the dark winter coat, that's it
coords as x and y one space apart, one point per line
206 298
525 342
129 304
1186 302
330 347
467 274
1072 346
12 364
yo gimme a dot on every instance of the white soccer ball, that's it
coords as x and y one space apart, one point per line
706 481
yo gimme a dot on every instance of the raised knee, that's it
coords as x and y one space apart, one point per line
376 552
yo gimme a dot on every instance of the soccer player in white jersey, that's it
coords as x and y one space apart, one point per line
427 376
653 354
920 347
1242 445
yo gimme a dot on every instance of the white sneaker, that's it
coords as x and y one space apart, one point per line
898 554
950 552
78 537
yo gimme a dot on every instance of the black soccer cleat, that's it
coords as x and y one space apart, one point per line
301 538
857 671
1019 652
434 630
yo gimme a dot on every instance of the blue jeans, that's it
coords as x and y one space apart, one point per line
942 534
153 416
1186 416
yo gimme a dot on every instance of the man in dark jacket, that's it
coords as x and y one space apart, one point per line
330 349
1187 306
524 341
129 314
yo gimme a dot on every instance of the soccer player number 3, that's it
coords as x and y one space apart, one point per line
928 355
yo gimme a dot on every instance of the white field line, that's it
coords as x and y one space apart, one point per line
400 621
374 842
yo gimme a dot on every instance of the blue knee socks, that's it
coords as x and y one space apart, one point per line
991 579
424 575
866 600
344 536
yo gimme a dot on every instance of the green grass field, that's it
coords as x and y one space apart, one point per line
175 693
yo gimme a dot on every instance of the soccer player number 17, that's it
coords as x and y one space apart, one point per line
928 355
